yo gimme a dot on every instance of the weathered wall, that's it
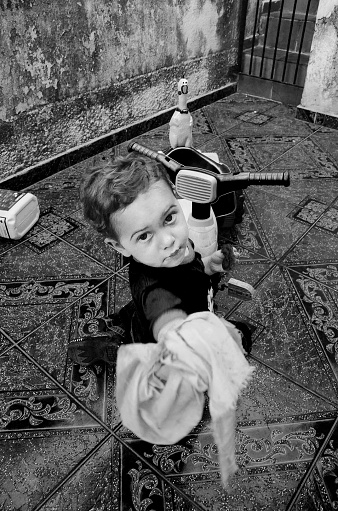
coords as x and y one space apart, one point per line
74 70
321 85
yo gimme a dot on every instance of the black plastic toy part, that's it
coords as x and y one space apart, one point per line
204 182
204 186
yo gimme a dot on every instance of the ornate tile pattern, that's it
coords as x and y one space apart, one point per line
62 444
254 118
280 153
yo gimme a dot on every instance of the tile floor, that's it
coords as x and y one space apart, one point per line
62 443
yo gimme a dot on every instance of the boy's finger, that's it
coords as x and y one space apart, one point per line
217 257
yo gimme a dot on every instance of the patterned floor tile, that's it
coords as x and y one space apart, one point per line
215 145
327 140
272 397
272 122
254 118
318 489
288 443
249 273
63 446
321 190
57 260
37 464
31 410
316 246
93 244
48 343
285 134
21 320
94 386
253 244
122 289
320 304
66 180
250 489
312 496
313 212
327 471
289 343
272 153
9 245
19 372
92 486
27 305
225 114
4 343
270 217
65 199
91 312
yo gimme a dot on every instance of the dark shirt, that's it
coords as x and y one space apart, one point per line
157 290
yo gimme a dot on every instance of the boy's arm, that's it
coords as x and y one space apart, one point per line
161 307
168 319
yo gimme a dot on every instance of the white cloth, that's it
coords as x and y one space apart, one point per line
160 387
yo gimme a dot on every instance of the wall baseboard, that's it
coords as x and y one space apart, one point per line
329 121
47 168
269 89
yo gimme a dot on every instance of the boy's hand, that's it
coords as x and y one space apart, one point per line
216 262
221 261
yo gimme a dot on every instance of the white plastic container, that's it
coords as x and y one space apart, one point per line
19 211
203 233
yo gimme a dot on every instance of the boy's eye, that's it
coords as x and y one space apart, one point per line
170 218
144 236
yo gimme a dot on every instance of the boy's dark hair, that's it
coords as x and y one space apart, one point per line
114 184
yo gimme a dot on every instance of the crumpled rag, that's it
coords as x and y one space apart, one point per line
161 387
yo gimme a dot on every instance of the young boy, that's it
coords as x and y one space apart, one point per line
132 203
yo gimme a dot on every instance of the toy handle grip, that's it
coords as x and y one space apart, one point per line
134 146
257 178
168 162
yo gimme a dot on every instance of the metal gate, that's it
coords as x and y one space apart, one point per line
277 40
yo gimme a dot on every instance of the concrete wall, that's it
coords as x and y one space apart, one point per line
74 70
320 92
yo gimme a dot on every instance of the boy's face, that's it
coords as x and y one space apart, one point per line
153 229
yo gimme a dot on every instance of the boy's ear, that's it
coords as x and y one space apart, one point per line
117 246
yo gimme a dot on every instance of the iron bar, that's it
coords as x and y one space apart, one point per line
289 40
301 40
277 38
254 37
265 38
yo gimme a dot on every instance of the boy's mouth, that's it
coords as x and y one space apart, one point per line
182 250
174 254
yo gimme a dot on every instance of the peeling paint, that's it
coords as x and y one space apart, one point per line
90 45
97 43
73 71
198 24
326 8
321 84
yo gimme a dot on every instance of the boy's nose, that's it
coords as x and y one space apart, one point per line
168 240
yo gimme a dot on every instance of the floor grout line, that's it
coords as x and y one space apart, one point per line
311 469
298 384
104 426
22 339
112 431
